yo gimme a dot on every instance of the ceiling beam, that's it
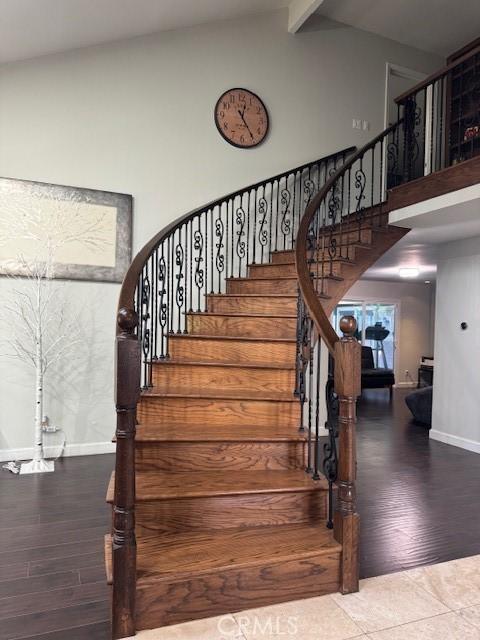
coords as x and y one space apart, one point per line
299 11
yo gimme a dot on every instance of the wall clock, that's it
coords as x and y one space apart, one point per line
241 118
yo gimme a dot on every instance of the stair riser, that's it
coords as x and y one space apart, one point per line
236 352
282 270
227 512
279 285
282 257
272 270
234 326
167 603
356 235
260 304
288 287
346 252
182 457
226 412
170 378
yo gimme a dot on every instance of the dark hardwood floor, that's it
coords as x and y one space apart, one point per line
52 577
418 501
417 498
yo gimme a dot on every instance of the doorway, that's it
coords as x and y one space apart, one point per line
398 80
376 328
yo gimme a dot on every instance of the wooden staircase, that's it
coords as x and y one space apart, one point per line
225 516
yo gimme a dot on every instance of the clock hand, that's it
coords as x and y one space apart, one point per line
245 122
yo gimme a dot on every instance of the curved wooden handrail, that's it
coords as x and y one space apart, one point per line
423 84
317 313
130 281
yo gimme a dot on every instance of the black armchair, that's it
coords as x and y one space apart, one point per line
373 378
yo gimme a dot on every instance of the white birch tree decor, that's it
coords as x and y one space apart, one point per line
43 327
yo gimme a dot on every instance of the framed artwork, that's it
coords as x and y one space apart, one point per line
83 234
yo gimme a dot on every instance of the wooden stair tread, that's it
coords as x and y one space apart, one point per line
151 432
202 336
240 365
252 295
185 555
242 315
199 484
213 394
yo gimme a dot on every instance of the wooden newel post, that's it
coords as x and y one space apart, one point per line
127 376
347 378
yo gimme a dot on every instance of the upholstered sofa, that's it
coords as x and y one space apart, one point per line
420 404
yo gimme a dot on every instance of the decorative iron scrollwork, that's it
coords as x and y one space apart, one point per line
145 294
263 213
360 183
309 190
303 346
219 233
240 220
179 262
286 222
198 247
332 247
334 205
162 290
330 459
392 157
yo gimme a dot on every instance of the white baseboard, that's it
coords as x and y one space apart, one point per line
85 449
405 385
456 441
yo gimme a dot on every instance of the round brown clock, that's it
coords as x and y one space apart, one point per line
241 118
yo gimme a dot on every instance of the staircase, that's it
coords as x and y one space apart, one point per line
225 516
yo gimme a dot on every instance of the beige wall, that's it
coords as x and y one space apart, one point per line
137 117
414 334
456 388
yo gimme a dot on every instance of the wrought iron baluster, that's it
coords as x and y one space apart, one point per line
240 232
145 320
171 258
199 275
179 277
360 183
295 211
330 460
154 303
190 266
286 219
316 463
254 232
162 304
248 232
219 245
309 468
263 228
211 249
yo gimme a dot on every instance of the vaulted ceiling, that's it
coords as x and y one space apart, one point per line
31 28
439 26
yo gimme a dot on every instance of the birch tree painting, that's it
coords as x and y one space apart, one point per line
42 327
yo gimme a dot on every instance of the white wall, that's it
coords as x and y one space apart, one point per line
414 331
137 117
456 388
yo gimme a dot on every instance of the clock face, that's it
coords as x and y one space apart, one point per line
241 118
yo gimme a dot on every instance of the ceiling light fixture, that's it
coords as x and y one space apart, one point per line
408 272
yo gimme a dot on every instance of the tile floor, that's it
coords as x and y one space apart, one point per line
438 602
